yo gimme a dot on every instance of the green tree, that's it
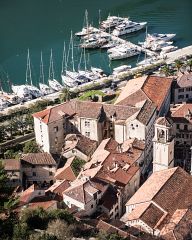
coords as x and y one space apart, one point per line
35 218
20 231
77 165
189 64
60 230
166 70
65 95
178 65
31 147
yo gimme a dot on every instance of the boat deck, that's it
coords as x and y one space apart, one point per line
130 44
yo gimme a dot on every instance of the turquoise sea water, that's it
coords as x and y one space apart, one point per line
45 24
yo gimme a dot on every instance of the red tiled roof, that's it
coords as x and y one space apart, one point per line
157 88
39 158
11 164
45 205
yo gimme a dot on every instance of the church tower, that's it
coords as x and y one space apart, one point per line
163 145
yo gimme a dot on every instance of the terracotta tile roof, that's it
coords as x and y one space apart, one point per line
151 88
164 121
184 80
152 186
110 164
157 88
25 196
59 187
11 164
80 142
131 87
85 109
108 228
168 191
83 191
39 158
146 112
181 113
66 172
46 205
152 215
134 98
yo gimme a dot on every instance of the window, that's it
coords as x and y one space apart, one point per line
33 166
87 134
180 96
136 125
188 89
185 127
187 95
87 124
95 196
181 90
50 174
178 126
56 129
34 174
187 135
91 205
50 166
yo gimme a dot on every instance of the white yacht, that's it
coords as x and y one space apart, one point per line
128 27
120 69
22 91
159 36
146 62
53 83
123 53
45 89
111 22
158 45
93 43
87 29
168 49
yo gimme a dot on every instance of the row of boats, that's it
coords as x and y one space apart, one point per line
118 48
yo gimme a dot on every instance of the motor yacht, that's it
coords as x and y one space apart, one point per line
123 53
120 69
128 27
111 22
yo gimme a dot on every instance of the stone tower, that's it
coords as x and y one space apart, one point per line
163 145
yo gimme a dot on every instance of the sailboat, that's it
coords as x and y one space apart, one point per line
69 77
87 28
53 83
45 89
27 91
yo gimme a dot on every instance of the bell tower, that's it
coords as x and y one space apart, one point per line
163 145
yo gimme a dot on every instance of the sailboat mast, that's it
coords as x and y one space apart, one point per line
28 70
99 17
72 53
41 69
51 65
87 22
64 61
85 59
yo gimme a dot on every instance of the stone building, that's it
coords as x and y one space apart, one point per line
96 121
38 168
182 88
162 205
